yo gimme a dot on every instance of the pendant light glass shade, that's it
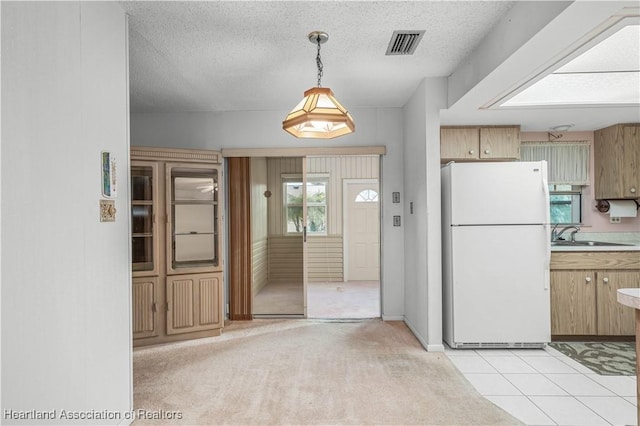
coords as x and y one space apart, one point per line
319 115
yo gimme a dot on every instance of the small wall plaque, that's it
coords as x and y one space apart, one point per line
107 211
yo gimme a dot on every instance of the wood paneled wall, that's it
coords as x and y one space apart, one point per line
325 259
337 168
285 258
325 252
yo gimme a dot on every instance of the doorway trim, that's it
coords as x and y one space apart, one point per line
304 151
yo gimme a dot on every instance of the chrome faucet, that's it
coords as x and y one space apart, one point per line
556 235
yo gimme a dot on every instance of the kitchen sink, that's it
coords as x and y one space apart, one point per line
584 243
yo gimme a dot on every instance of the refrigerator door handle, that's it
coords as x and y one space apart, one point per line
547 256
545 190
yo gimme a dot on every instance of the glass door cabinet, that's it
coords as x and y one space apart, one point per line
176 245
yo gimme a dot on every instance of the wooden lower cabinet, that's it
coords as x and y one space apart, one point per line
584 293
573 301
615 319
194 302
145 307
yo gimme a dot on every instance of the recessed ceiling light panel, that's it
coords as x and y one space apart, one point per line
608 73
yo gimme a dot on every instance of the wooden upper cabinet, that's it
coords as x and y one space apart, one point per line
617 162
500 143
459 143
472 143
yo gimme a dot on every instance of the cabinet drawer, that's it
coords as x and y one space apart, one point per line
595 260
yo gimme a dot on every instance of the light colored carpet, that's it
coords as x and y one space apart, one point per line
308 372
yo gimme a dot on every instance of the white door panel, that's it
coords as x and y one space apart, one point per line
362 232
500 284
499 193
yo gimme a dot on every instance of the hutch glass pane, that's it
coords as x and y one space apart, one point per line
194 217
142 218
141 183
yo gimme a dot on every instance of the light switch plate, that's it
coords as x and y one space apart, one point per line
107 211
396 221
396 197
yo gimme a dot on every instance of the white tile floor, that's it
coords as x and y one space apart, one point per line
545 387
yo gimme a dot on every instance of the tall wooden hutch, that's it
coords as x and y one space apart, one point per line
176 241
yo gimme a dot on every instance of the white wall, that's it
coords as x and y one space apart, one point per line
422 242
66 326
263 129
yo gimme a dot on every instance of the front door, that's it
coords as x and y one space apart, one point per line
362 203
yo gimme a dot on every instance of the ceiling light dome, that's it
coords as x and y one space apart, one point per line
319 114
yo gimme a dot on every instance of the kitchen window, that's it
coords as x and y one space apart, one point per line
567 173
565 204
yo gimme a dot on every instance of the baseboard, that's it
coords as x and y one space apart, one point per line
423 342
435 348
393 318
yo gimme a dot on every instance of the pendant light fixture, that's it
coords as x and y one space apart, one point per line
319 114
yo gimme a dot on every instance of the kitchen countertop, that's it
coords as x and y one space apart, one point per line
629 297
634 247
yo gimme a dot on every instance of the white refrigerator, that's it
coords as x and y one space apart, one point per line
496 253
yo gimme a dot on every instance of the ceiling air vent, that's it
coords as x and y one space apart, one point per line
404 42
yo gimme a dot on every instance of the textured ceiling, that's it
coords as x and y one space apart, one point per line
255 55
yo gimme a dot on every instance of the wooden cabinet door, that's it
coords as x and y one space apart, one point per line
573 303
194 302
615 319
631 161
145 307
616 155
500 143
459 143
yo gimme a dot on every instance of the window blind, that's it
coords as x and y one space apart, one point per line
567 162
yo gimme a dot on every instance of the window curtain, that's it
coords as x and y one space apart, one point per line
567 163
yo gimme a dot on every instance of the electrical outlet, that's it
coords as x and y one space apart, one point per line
614 219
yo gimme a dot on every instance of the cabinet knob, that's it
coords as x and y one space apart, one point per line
588 279
632 190
605 280
471 152
486 151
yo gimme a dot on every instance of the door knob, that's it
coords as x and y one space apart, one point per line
588 279
486 151
471 152
605 280
633 190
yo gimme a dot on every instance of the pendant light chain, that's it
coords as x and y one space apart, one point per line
319 62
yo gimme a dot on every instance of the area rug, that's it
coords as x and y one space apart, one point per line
302 372
604 358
